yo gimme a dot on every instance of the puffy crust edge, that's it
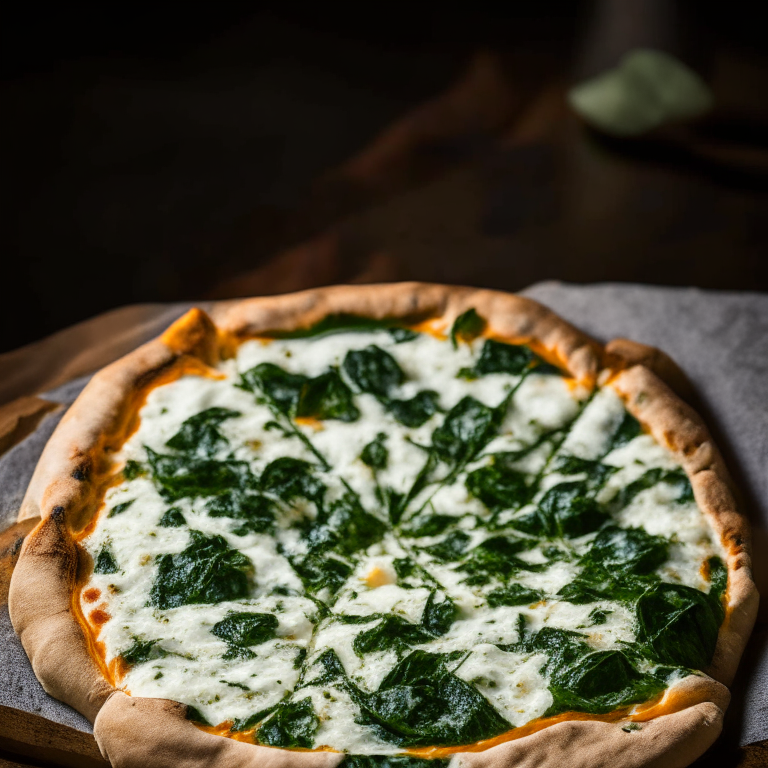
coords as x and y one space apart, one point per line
676 425
63 486
672 740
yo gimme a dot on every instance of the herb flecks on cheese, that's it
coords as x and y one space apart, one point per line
372 539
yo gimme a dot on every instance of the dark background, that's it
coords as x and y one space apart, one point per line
220 150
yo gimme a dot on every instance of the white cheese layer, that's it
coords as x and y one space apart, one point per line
547 417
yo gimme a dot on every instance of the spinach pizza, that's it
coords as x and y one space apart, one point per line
385 525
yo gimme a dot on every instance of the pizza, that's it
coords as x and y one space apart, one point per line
386 525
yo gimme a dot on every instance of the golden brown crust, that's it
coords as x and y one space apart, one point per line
67 478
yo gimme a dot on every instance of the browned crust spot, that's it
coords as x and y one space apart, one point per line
75 468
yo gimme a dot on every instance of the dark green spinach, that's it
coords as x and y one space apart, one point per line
293 724
200 433
392 633
242 630
142 651
187 476
466 327
498 487
421 702
255 512
417 410
467 428
566 510
118 509
289 479
172 518
373 370
207 571
375 454
105 561
680 625
327 397
513 594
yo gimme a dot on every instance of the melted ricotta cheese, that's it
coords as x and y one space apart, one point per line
546 417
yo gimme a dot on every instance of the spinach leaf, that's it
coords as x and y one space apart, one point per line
292 725
513 594
207 571
281 389
242 630
496 558
393 502
468 426
600 682
569 511
399 505
597 472
509 458
373 370
346 528
566 510
327 397
680 625
438 615
680 482
498 487
142 651
401 335
184 476
599 616
619 566
392 633
416 411
318 572
105 561
290 479
598 583
200 432
246 723
375 454
331 668
172 518
497 357
428 525
196 716
628 430
256 512
466 327
627 551
118 509
675 477
562 646
133 469
420 702
718 583
585 680
450 549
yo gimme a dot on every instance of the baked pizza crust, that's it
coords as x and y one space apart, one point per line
66 485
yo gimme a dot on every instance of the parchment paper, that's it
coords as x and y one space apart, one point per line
719 339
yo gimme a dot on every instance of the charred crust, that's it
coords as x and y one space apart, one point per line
57 514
